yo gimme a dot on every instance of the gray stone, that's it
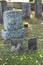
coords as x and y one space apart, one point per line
26 10
16 41
13 24
18 48
3 34
38 8
12 19
13 28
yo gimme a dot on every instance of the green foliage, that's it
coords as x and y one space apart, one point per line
29 58
26 59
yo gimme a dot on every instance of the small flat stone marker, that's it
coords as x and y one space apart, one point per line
32 44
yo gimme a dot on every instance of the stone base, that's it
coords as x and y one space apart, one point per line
15 42
16 45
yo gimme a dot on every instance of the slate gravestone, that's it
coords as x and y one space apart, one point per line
26 10
13 28
32 44
38 8
3 5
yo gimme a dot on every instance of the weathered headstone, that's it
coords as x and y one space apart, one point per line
38 8
26 10
32 44
3 5
13 26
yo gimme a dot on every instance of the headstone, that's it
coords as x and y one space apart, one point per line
32 44
38 8
13 28
26 10
3 5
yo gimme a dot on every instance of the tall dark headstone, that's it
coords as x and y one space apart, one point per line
3 6
26 10
38 8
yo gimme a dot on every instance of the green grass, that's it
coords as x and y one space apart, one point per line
24 58
1 26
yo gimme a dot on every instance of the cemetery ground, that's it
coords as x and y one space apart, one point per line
35 29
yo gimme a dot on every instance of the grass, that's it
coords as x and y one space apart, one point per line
35 29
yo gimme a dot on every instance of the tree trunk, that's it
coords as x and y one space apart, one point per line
3 7
38 8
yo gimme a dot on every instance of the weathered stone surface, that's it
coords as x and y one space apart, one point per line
38 8
16 41
12 19
13 24
3 34
19 47
13 34
32 44
13 28
26 10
